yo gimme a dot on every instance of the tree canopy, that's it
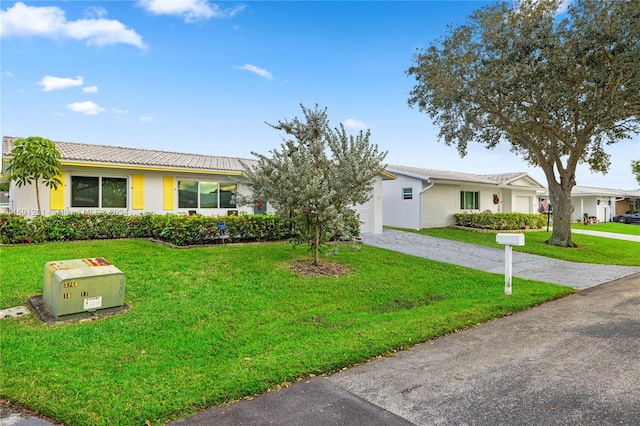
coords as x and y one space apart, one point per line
557 90
316 177
35 160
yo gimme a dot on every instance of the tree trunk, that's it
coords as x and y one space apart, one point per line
42 233
560 196
316 245
38 200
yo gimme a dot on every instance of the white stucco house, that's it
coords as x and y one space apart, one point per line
100 178
600 203
427 198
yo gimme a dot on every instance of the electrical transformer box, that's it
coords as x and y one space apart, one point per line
82 285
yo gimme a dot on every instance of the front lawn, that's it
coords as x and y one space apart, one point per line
617 228
591 249
214 324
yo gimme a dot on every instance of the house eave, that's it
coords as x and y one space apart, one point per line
152 168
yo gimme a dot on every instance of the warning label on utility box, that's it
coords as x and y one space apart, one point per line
93 302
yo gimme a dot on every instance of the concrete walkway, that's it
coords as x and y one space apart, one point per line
528 266
626 237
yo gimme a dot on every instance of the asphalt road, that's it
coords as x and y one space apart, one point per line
574 361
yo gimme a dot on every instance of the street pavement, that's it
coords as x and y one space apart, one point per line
573 361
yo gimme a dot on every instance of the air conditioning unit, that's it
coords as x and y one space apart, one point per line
82 285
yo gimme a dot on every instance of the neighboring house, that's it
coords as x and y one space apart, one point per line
426 198
99 178
629 201
601 203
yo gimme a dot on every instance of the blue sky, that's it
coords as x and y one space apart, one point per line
203 77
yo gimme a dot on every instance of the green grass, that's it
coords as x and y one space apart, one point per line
617 228
591 249
216 324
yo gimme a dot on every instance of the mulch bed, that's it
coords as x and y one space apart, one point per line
307 268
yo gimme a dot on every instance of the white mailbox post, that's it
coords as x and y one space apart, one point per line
509 240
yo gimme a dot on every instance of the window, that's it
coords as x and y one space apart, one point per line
209 195
100 192
469 200
114 192
187 194
407 193
206 195
227 195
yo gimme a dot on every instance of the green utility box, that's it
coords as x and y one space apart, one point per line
82 285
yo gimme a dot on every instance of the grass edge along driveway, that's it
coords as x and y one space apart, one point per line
215 324
591 249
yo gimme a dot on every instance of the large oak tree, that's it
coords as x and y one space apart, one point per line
557 90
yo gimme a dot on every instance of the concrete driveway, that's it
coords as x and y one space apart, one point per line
528 266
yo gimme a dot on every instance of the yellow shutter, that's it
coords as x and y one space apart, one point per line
169 202
138 192
56 196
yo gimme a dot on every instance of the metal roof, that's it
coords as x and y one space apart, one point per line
103 154
492 179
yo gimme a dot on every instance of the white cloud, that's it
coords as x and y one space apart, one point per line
50 22
119 111
8 74
191 10
96 12
146 119
50 83
87 108
259 71
103 32
354 124
90 89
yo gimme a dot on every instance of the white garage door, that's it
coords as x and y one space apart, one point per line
365 221
522 204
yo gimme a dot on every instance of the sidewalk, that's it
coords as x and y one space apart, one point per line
626 237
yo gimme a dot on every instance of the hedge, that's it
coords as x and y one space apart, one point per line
501 221
180 230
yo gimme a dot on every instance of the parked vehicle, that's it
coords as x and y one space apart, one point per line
627 218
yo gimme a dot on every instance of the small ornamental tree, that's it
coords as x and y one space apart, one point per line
35 160
635 168
317 177
559 91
